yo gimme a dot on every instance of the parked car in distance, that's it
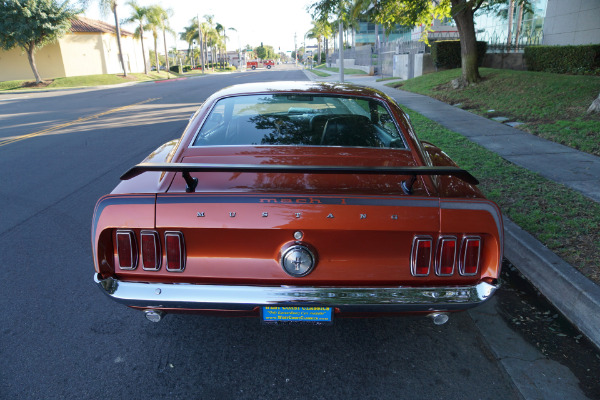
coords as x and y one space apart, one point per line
297 202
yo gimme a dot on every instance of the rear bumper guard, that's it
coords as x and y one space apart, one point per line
246 298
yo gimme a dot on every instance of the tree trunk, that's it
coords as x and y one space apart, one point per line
118 27
511 11
341 50
143 51
468 42
319 47
166 51
156 55
30 55
518 33
206 51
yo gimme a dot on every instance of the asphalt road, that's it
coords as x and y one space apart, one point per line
61 338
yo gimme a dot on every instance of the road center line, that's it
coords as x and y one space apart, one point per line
66 124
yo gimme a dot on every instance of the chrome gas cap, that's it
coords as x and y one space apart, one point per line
298 261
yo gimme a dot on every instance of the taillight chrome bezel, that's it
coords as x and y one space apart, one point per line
157 250
417 240
182 255
133 248
439 253
463 254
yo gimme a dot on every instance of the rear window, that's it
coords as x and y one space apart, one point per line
299 120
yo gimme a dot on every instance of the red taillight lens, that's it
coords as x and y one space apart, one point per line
151 255
446 256
126 250
175 251
470 255
420 260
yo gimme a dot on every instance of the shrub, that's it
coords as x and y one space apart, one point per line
175 68
584 59
446 53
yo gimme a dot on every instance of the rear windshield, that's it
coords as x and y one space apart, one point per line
299 120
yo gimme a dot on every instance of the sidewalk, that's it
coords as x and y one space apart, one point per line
573 294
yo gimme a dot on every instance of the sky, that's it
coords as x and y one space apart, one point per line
272 22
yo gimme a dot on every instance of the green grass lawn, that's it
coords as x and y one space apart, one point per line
319 73
553 106
86 81
347 71
531 201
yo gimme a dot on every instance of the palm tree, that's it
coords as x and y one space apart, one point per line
153 25
190 34
319 31
202 29
139 15
158 20
112 4
210 37
163 18
235 30
222 42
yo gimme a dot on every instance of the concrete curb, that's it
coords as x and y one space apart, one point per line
574 295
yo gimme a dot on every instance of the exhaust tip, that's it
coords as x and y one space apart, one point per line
154 315
439 318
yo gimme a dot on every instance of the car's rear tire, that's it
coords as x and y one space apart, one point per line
268 67
253 67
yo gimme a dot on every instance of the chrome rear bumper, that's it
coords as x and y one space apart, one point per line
246 298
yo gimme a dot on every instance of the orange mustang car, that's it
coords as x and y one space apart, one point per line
297 202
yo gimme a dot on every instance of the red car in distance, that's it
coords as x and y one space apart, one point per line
297 202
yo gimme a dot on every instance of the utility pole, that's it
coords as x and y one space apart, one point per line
295 51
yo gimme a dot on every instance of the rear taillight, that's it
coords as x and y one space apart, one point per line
420 259
175 248
151 254
126 250
446 256
470 255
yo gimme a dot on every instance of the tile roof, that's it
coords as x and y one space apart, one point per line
82 24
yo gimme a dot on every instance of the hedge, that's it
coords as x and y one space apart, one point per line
446 53
584 59
179 69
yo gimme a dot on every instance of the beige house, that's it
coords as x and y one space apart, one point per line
90 48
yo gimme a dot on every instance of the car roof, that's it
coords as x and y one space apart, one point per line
300 86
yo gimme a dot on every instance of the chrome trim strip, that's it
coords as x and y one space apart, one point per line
243 297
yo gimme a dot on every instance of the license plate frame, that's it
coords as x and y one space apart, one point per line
312 315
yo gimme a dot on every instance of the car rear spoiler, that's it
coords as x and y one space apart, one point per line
185 169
